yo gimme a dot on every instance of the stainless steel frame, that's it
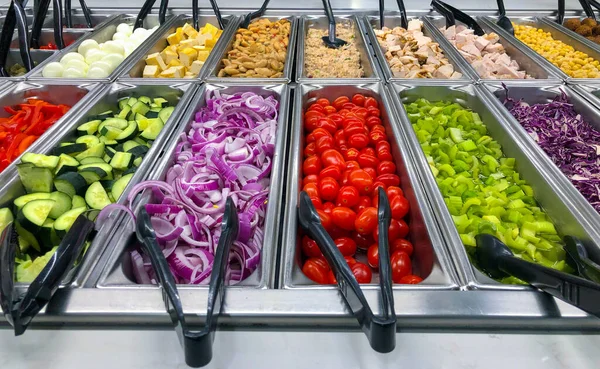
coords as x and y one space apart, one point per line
117 272
319 21
526 62
430 260
212 71
102 34
46 36
41 57
558 205
99 19
135 72
368 22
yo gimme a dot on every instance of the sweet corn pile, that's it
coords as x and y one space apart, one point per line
574 63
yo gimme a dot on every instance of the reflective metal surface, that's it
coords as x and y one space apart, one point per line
39 57
99 18
47 36
211 73
136 71
320 22
559 206
118 270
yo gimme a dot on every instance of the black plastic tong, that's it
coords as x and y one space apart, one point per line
162 13
446 9
496 259
15 16
561 12
259 13
587 8
503 21
20 310
38 22
403 17
330 40
197 345
379 329
577 258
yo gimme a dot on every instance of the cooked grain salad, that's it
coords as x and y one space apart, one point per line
321 61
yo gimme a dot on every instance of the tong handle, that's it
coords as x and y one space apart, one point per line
377 330
403 17
561 12
501 8
381 11
587 8
594 3
450 21
331 19
195 14
463 17
86 13
58 28
68 15
23 31
38 22
217 12
577 255
8 250
144 11
253 15
162 11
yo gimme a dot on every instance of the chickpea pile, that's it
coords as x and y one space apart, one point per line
259 51
574 63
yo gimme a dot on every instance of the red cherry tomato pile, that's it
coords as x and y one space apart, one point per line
52 46
347 157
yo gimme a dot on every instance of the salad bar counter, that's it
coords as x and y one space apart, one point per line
418 172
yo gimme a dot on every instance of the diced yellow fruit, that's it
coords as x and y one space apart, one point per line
203 55
209 28
200 48
168 56
189 30
188 43
219 33
174 38
174 63
179 32
151 71
202 37
168 73
179 71
156 59
187 56
211 42
195 67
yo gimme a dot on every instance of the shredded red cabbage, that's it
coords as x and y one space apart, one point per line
228 151
571 143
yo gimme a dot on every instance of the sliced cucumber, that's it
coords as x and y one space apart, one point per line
107 184
121 160
103 166
97 150
160 102
128 145
140 108
62 204
107 114
78 202
106 141
91 160
33 214
35 179
153 130
70 149
166 113
114 122
71 183
120 185
40 160
124 112
110 132
96 196
6 217
145 123
89 140
22 200
123 102
65 221
131 101
128 133
145 99
139 151
92 175
66 164
27 237
88 128
152 114
47 235
137 162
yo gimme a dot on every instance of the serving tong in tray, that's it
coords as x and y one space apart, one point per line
401 8
331 40
57 15
197 345
496 259
15 16
379 329
452 14
20 310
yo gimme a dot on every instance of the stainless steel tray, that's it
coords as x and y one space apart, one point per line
513 49
39 57
373 21
320 22
136 71
99 18
559 207
76 96
210 73
102 34
543 94
117 272
46 36
105 98
430 261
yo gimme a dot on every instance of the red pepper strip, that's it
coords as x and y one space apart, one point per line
11 149
37 120
10 110
26 143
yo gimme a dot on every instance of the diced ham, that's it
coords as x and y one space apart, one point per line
471 49
444 72
450 33
481 43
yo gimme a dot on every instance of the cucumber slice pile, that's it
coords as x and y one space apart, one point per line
89 172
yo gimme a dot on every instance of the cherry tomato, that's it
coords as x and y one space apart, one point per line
373 256
311 123
348 106
310 247
375 188
343 111
401 265
363 241
311 165
346 178
337 119
328 188
316 202
337 232
370 102
328 207
346 245
372 121
352 165
320 132
351 154
331 277
400 207
333 157
350 260
352 127
327 124
316 107
323 102
320 260
410 279
361 180
386 167
324 143
315 271
331 171
370 161
404 229
313 113
397 229
361 272
358 99
393 191
371 172
363 202
362 113
343 217
389 179
340 101
310 138
373 112
310 150
379 128
312 189
366 220
311 178
358 140
376 136
383 151
401 244
331 110
348 196
325 219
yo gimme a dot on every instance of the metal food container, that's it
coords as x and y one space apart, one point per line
320 22
99 18
46 36
558 205
431 260
512 48
118 272
371 22
136 71
210 73
39 58
103 34
105 98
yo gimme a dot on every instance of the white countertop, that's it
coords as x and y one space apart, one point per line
67 349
